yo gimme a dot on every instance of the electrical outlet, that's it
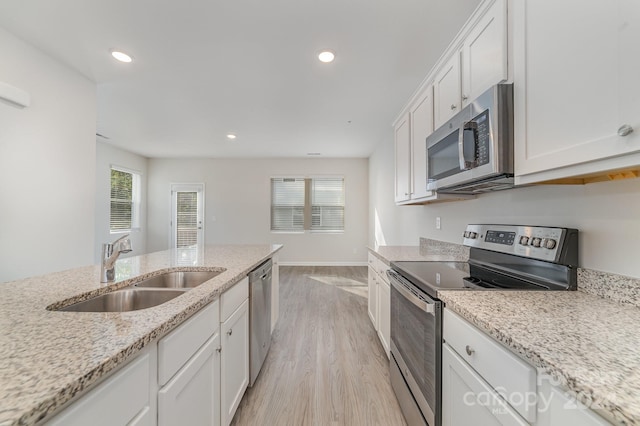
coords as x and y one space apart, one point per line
438 223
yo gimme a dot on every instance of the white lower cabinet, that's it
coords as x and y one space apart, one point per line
372 306
485 383
379 306
235 361
127 397
384 314
467 399
192 396
234 342
275 292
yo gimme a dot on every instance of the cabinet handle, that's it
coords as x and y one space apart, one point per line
230 332
465 97
624 130
469 350
219 350
453 107
406 193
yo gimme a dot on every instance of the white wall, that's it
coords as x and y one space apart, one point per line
237 194
47 165
107 156
607 214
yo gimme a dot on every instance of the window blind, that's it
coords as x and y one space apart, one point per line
321 200
327 204
187 219
287 204
121 200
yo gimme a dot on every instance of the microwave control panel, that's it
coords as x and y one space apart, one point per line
483 135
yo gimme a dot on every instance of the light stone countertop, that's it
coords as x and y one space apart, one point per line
428 251
591 345
48 357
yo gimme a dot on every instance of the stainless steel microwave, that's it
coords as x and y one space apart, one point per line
473 151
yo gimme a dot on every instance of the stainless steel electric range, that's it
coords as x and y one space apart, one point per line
502 257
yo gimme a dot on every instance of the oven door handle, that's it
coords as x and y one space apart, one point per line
398 284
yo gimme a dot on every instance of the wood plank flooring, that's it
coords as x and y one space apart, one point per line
326 365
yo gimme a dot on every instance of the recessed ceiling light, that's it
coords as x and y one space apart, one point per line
231 136
121 56
326 56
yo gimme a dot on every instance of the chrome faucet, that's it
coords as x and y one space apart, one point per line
110 253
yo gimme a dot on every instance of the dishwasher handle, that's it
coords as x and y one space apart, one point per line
408 292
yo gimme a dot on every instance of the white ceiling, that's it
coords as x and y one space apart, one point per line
203 68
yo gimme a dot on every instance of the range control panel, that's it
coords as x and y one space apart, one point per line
537 242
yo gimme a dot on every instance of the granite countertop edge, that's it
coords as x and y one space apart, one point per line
44 407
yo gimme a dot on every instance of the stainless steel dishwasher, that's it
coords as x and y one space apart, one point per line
259 318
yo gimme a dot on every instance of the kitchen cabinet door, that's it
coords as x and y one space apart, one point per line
373 295
403 159
192 396
384 314
421 120
275 292
576 87
484 53
234 361
468 400
446 91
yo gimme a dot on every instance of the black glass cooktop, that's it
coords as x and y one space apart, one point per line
433 276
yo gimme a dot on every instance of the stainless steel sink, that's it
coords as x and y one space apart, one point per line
127 299
179 279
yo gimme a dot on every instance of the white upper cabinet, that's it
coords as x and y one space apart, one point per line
421 120
403 159
484 53
447 92
576 87
479 61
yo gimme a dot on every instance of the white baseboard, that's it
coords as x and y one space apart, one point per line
281 263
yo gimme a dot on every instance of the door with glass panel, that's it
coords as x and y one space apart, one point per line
187 222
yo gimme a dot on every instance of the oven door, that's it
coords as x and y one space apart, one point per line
416 345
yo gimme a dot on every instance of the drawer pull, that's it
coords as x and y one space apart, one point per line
469 350
230 332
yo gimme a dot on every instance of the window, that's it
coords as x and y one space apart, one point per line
299 204
125 200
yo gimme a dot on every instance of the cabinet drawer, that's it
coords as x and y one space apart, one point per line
175 349
512 377
231 299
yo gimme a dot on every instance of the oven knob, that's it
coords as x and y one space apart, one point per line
524 240
549 243
466 234
536 242
473 235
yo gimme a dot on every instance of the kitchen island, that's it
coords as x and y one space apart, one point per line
48 357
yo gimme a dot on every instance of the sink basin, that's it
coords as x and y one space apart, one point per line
179 279
127 299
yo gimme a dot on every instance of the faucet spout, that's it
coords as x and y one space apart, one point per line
110 253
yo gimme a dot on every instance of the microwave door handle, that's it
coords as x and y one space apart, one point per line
469 125
463 163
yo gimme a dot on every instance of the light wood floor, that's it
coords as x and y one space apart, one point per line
326 365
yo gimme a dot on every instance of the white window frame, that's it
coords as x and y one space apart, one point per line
308 205
136 194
